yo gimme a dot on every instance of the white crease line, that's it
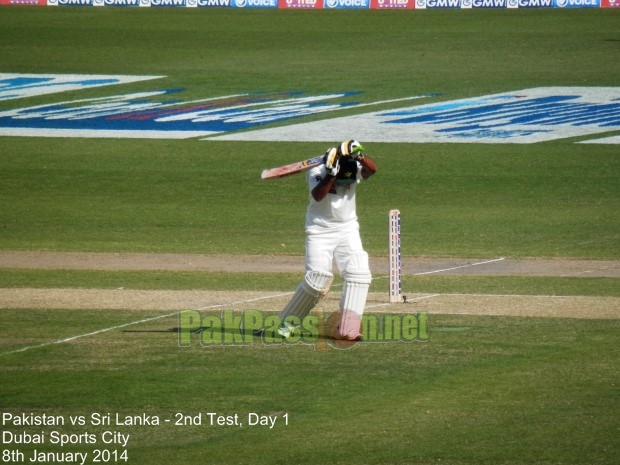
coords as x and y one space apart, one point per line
61 341
461 266
112 328
210 307
430 296
545 296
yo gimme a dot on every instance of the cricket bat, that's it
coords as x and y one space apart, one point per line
293 168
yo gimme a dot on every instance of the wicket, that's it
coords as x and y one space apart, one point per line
394 256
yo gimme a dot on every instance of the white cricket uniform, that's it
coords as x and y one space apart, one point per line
332 229
332 235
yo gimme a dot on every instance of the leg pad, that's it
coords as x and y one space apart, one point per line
357 279
308 293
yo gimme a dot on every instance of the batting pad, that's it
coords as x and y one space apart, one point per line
309 291
354 295
357 279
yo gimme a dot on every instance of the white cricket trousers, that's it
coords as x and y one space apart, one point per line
329 245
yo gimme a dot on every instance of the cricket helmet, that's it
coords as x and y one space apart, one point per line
349 147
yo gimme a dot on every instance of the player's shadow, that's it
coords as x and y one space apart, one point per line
258 335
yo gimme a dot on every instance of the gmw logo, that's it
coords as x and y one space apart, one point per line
489 3
167 2
74 2
116 2
535 3
443 3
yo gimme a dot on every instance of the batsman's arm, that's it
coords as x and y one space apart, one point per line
321 190
369 167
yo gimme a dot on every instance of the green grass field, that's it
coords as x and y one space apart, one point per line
480 390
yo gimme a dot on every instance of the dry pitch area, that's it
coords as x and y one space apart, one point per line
166 300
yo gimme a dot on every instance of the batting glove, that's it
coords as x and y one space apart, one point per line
332 162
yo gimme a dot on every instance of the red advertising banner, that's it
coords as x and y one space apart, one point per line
300 4
24 2
392 4
610 3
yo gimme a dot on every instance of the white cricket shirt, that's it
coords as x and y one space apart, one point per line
337 209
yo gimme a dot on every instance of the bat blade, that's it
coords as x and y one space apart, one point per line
293 168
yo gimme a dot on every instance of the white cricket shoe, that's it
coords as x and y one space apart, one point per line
287 330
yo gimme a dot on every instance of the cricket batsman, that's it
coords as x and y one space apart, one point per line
332 235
